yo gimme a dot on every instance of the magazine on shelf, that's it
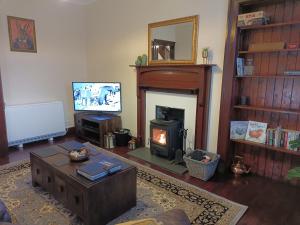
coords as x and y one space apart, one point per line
256 132
238 129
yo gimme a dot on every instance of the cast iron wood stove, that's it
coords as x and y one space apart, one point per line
165 137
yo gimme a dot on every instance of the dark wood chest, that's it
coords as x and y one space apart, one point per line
95 202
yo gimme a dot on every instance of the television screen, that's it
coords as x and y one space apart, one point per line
97 96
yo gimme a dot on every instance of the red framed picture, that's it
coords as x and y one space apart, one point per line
22 36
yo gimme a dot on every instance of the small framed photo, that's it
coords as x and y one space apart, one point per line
22 36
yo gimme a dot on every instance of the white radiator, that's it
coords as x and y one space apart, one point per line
34 122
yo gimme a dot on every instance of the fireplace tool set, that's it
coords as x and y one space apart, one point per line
179 153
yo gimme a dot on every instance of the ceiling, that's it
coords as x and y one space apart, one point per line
80 2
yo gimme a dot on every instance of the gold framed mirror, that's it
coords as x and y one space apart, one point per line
173 41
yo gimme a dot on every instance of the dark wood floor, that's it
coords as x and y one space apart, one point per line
269 202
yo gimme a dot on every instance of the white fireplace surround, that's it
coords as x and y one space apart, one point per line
174 100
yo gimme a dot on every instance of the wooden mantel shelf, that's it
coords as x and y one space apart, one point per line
188 79
174 65
172 77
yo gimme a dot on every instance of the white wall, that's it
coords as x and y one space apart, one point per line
117 34
61 53
98 42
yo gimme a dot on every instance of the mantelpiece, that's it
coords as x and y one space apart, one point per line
187 79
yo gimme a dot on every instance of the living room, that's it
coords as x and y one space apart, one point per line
99 41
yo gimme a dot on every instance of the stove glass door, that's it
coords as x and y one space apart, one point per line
159 136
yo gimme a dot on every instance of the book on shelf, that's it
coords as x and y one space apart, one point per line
253 18
270 136
292 73
99 169
266 46
282 138
238 129
277 136
292 45
256 132
249 67
240 62
248 70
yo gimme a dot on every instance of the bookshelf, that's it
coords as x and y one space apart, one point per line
265 146
252 27
267 76
274 97
269 51
267 109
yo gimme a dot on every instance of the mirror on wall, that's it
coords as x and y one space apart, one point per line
173 41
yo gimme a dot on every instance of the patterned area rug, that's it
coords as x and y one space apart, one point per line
156 192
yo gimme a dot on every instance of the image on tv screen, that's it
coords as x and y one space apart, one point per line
97 96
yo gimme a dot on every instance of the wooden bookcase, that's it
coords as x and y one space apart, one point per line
3 136
274 97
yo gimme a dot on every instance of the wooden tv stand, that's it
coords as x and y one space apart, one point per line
93 126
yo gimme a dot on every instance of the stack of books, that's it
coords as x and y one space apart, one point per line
282 138
253 18
99 169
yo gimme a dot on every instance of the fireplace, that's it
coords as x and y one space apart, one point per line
165 137
185 79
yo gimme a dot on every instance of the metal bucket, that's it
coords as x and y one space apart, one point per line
109 140
122 137
132 144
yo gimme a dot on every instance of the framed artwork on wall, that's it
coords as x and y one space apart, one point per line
22 36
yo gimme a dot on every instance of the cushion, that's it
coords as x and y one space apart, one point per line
4 215
173 217
141 222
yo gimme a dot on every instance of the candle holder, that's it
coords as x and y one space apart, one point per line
205 55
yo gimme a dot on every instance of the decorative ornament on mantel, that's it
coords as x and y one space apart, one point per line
205 55
141 60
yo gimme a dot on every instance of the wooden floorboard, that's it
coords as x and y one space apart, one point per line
270 202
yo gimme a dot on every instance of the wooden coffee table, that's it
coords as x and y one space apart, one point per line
95 202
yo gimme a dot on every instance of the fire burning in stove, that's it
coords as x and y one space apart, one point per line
160 136
165 137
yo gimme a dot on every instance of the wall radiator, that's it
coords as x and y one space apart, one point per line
34 122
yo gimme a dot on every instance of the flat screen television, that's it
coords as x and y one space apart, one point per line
97 96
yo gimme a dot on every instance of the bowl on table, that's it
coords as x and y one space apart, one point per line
79 155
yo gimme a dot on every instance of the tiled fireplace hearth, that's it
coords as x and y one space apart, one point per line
181 79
